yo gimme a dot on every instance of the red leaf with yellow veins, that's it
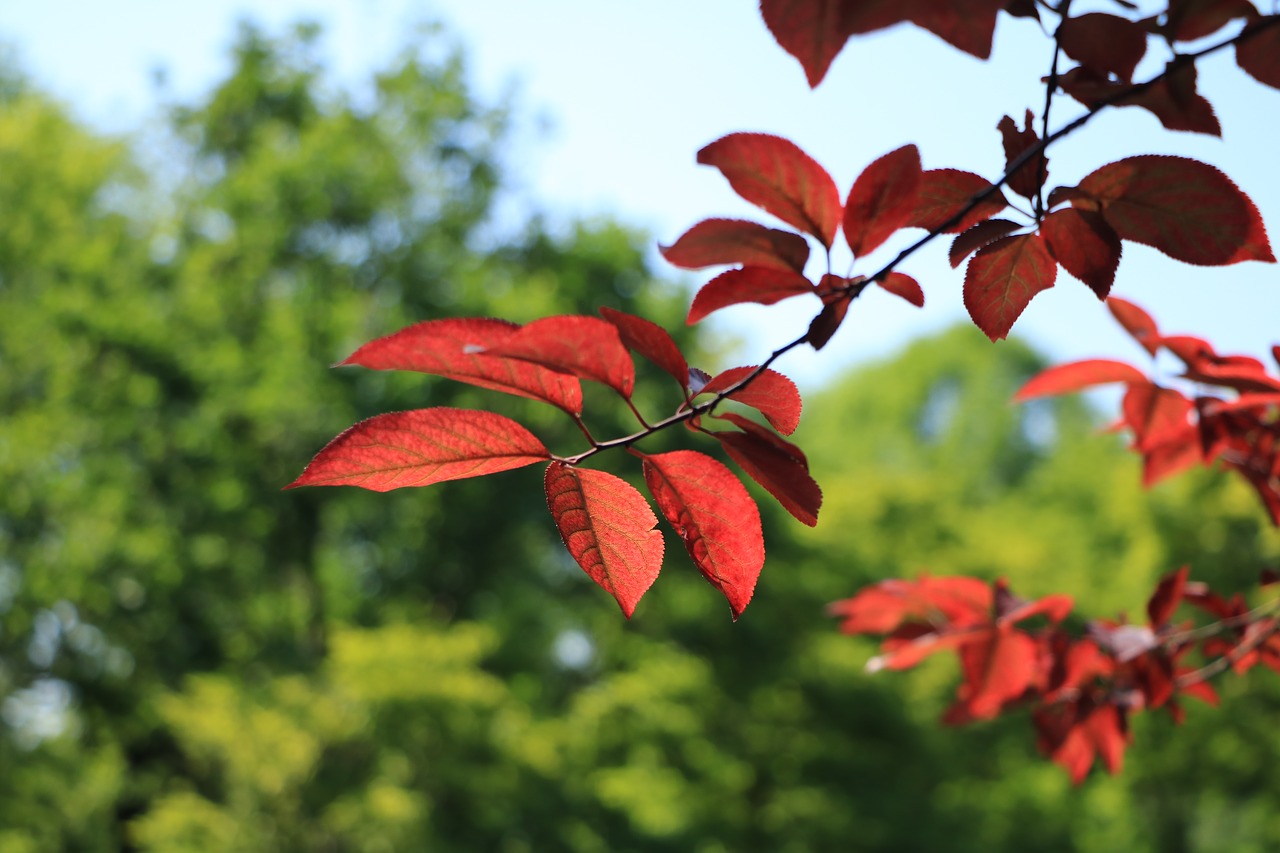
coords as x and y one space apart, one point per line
1002 278
1086 246
761 285
945 192
715 242
772 394
714 516
608 527
775 174
882 200
1187 209
586 347
422 447
651 341
458 349
1076 376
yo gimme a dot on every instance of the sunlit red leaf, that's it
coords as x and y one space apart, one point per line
1002 278
775 174
1103 43
651 341
997 668
978 236
422 447
586 347
456 349
761 285
772 394
1187 209
1086 246
944 193
1027 179
1136 322
1155 414
1259 56
904 287
882 199
1173 456
1168 595
713 242
941 602
608 527
776 464
714 516
1076 376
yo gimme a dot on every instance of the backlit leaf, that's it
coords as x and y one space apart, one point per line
1076 376
1028 177
422 447
1085 245
651 341
1105 44
608 527
1136 322
713 242
714 516
457 349
1172 99
776 464
761 285
1259 56
772 394
978 236
1187 209
1189 20
1002 278
882 199
944 193
812 31
998 668
1166 598
586 347
904 287
775 174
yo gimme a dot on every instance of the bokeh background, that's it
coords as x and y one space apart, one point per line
201 210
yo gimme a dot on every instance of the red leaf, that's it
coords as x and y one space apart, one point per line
1085 245
1259 56
456 349
1136 322
651 341
978 236
947 602
1168 595
422 447
587 347
1187 209
812 31
747 284
774 395
714 516
1076 376
1026 181
997 668
775 174
945 192
1172 99
966 24
1155 414
1105 44
882 199
776 464
832 289
713 242
1174 455
903 286
608 527
1003 277
1189 20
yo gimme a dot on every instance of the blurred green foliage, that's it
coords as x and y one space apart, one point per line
193 660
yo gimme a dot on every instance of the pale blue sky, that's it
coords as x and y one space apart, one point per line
633 90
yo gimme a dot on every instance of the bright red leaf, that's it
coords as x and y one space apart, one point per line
904 287
1003 277
772 394
944 193
1187 209
422 447
959 602
813 31
761 285
1168 595
586 347
775 174
776 464
882 199
1076 376
714 516
458 349
713 242
1155 414
1136 322
1085 245
608 527
651 341
998 667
